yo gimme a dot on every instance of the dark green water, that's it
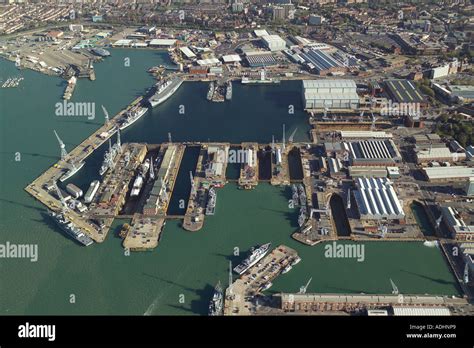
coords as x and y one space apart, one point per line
102 278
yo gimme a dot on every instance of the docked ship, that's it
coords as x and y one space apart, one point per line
100 52
287 269
302 217
302 195
211 202
71 171
140 179
111 155
71 230
255 256
210 92
266 286
217 302
164 90
228 91
294 195
263 79
132 116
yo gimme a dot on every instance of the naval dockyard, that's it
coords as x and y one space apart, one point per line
369 172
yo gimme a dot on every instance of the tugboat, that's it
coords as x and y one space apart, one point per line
210 92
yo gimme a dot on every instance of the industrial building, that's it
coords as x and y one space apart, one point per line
456 225
367 172
187 52
164 43
376 200
438 154
453 173
274 42
404 91
321 62
373 152
365 135
331 94
257 59
470 186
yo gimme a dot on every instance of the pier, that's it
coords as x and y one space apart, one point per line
144 233
239 293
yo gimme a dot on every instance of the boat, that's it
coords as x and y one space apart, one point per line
228 91
266 286
211 202
94 186
140 179
263 79
100 52
132 116
210 92
286 269
217 302
302 217
164 90
302 195
296 261
294 195
255 256
111 155
71 171
71 229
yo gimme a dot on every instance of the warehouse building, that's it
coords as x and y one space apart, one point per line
322 62
332 94
437 154
456 225
454 173
274 42
367 172
187 52
163 43
376 200
365 135
257 59
373 152
404 92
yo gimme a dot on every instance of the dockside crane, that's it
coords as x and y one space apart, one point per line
305 287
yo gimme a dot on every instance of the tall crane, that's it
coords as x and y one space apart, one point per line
191 177
374 119
438 220
60 195
290 139
305 287
62 146
106 114
394 288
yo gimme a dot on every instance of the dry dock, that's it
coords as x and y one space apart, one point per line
249 172
194 217
280 169
239 294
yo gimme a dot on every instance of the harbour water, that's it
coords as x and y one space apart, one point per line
177 277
